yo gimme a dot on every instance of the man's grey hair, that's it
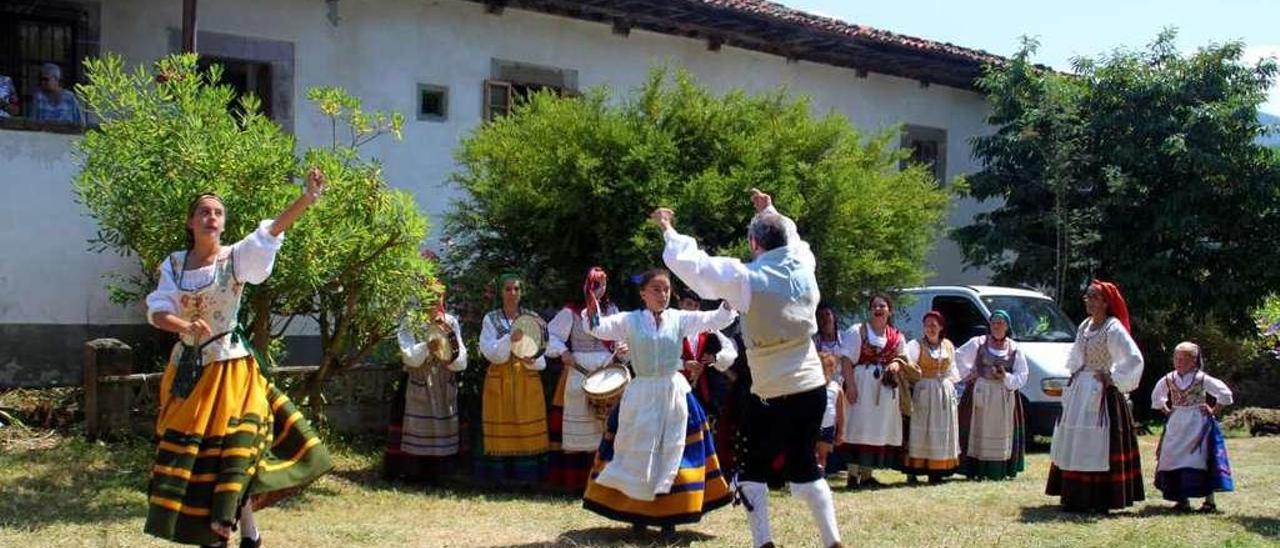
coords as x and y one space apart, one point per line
50 70
768 230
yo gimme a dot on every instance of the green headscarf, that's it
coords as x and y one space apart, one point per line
1002 314
501 282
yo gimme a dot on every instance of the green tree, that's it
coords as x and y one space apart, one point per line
351 263
563 184
1141 167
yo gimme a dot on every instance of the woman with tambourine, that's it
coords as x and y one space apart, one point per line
574 426
422 440
513 408
657 463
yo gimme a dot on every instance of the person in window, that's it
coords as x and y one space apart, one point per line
8 97
51 102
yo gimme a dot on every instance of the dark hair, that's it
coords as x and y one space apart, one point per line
191 211
652 273
686 293
768 230
825 306
887 300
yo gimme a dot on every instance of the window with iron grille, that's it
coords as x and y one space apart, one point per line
35 33
927 146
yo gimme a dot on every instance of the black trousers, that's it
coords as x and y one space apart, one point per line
788 426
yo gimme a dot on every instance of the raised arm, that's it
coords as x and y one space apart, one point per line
693 323
611 328
315 187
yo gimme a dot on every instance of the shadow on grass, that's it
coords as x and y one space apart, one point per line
1267 526
1054 513
74 482
620 535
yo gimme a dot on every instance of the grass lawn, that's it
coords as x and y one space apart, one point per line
63 491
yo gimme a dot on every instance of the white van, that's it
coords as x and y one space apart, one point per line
1041 328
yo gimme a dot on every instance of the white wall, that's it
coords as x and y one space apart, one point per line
380 51
47 274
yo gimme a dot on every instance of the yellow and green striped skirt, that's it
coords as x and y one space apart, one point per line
235 438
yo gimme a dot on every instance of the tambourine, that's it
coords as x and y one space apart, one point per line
534 343
442 343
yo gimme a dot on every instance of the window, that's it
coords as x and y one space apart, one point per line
928 147
250 65
964 320
244 77
514 82
35 33
433 103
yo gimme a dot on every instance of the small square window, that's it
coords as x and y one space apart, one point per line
433 103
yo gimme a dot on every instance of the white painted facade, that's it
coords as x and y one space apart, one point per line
380 51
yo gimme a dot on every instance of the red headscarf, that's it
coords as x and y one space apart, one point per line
935 315
595 276
1115 302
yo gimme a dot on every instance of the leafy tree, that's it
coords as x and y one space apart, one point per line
351 263
563 184
1141 167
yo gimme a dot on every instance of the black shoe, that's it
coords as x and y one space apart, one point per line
246 542
1208 508
912 480
872 483
935 480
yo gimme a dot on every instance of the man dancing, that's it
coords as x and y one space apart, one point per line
777 296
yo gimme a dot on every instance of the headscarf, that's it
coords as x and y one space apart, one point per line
1115 302
501 282
595 274
1002 314
935 315
942 321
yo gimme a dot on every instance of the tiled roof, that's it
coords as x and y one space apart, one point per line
781 13
776 29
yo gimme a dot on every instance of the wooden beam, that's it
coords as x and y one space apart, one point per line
188 26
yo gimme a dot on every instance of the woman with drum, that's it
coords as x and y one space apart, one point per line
657 463
574 425
514 412
422 440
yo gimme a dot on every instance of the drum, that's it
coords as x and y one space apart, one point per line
534 343
604 388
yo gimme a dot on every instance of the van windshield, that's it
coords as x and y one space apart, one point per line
1034 319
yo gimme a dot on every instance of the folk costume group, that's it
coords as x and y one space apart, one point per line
707 417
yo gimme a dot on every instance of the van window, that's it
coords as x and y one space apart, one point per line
964 319
1034 319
